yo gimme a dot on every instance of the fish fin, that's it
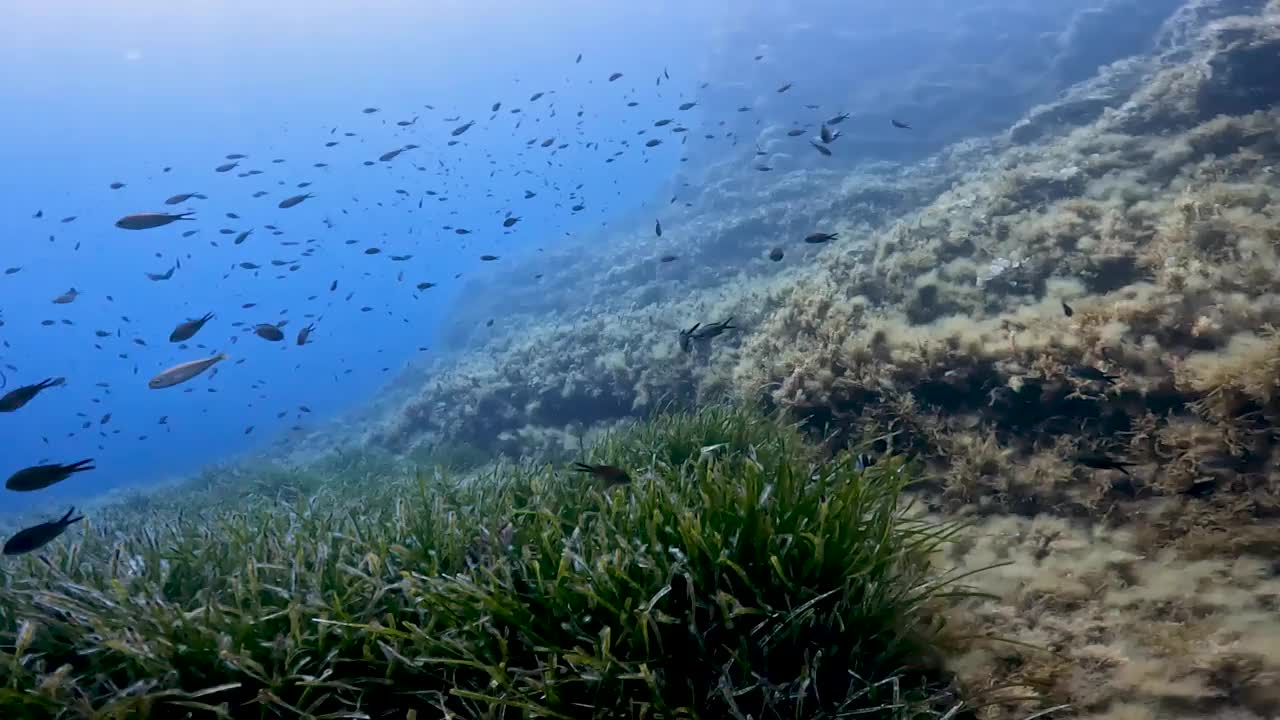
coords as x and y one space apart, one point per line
583 467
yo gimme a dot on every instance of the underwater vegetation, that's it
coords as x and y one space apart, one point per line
735 575
1072 325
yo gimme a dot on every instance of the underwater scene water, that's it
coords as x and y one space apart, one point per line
804 359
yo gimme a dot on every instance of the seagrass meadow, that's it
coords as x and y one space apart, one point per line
1128 227
870 499
737 575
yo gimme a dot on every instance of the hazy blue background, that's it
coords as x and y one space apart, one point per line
97 92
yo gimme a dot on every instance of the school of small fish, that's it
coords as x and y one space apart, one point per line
434 178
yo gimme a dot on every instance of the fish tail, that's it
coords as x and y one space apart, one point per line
67 519
583 467
82 466
185 215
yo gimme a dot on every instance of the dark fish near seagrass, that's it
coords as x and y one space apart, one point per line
1099 461
710 330
1093 374
179 374
183 197
291 201
147 221
1066 309
817 238
15 399
611 475
775 254
187 330
37 536
38 477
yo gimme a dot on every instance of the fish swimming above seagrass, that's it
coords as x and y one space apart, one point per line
38 477
37 536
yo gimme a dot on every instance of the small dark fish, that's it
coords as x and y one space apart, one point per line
18 397
657 227
183 197
653 143
488 258
826 136
711 330
269 332
900 125
775 254
226 167
614 76
243 236
116 185
1099 461
426 285
510 221
38 477
147 221
668 258
821 148
688 105
37 536
291 201
611 475
785 88
817 238
390 155
462 128
838 119
795 132
187 330
1066 309
157 277
67 297
305 333
369 110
